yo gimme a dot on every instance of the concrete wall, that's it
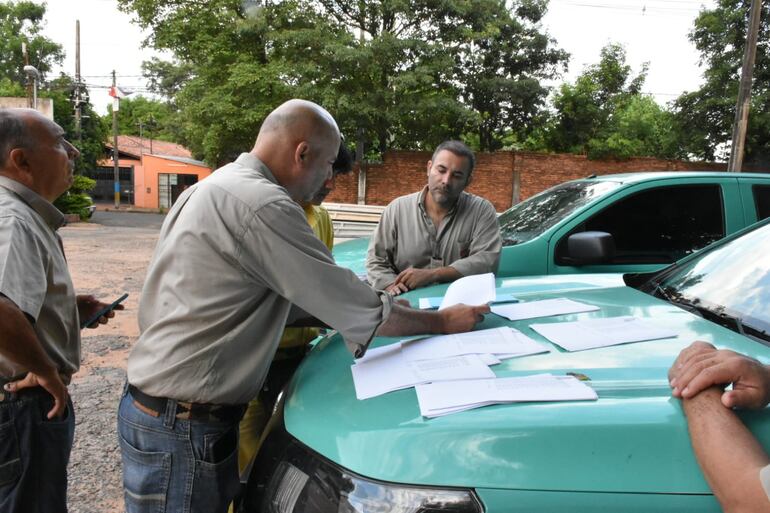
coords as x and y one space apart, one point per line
44 105
402 172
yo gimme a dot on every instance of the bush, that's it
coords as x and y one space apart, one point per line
76 200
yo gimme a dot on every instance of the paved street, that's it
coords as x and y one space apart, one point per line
128 219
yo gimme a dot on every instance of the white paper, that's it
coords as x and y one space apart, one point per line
438 399
544 308
593 333
477 289
503 341
390 371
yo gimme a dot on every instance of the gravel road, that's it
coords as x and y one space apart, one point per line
104 261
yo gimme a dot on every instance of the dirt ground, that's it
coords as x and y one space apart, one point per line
106 262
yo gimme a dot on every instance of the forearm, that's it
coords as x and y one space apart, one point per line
478 263
19 342
727 452
445 274
408 321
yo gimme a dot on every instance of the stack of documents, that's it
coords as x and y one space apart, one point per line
438 399
460 356
593 333
544 308
501 342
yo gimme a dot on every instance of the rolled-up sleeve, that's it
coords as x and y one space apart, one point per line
282 252
380 266
485 245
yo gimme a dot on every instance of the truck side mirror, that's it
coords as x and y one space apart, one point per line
588 248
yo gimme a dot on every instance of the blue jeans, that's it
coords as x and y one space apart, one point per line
34 453
173 465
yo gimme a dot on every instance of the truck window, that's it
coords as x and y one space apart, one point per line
762 200
658 225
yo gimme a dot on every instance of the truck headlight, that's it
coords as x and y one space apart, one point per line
288 477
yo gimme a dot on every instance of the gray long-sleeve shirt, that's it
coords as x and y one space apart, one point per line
234 254
467 240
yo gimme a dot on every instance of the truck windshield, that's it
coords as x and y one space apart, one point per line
535 215
729 284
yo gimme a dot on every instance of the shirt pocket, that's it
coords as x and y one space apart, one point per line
463 248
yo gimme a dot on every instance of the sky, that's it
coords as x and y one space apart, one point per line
653 31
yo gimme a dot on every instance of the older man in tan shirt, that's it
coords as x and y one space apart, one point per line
39 315
235 254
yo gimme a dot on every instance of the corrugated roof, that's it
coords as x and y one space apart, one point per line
137 146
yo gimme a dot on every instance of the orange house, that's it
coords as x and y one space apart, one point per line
152 173
163 178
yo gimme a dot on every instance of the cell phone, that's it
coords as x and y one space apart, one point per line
103 311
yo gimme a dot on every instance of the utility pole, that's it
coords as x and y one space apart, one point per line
77 98
742 106
115 107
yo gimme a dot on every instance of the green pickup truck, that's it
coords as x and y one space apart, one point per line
634 222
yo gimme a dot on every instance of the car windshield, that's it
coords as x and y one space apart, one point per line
535 215
729 284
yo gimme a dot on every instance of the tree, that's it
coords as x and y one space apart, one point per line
147 118
584 109
605 115
705 116
20 23
395 74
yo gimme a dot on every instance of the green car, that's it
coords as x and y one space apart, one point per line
634 222
628 451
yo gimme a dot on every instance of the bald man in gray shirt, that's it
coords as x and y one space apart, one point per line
234 254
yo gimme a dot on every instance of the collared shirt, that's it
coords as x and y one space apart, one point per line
467 240
321 223
34 275
234 253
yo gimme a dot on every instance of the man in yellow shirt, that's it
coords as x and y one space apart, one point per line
293 345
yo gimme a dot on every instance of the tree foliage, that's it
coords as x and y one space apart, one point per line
395 74
146 117
706 115
20 22
603 114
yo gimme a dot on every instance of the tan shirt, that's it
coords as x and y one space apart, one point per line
235 252
34 275
468 239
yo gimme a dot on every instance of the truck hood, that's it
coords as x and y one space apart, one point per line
633 439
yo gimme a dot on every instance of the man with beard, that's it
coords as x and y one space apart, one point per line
438 234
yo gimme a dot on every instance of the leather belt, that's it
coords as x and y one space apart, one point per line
156 406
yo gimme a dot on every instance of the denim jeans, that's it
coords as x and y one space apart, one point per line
173 465
34 453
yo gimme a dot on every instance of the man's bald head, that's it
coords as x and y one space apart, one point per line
298 141
297 116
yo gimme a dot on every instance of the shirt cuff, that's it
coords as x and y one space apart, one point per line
359 350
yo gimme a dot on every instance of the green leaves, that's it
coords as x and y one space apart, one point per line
399 74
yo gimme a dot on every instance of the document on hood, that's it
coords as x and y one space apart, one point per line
437 399
609 331
389 370
477 289
543 308
502 342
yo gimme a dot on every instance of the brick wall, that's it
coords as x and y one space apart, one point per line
403 172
